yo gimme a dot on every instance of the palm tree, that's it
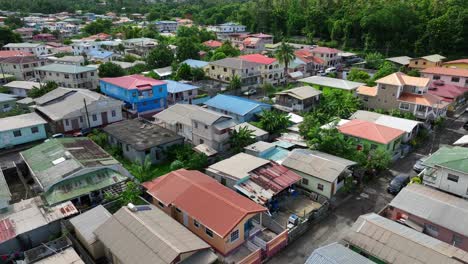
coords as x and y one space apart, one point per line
143 171
285 54
235 84
241 138
274 122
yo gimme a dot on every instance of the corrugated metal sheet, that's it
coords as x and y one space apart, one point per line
336 254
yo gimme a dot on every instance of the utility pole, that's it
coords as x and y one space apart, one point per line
87 115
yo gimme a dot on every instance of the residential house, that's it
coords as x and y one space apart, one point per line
180 93
401 61
224 70
7 102
458 64
73 60
140 46
226 220
166 26
322 83
84 226
142 95
197 125
74 169
56 251
329 55
21 88
241 109
71 110
44 37
21 129
268 151
454 76
312 63
336 254
321 173
100 56
435 213
144 234
38 49
374 136
5 194
405 93
22 67
298 99
385 241
82 48
212 44
228 27
25 33
255 43
447 170
260 180
30 223
452 94
71 76
258 133
429 61
4 54
271 71
196 63
139 139
411 127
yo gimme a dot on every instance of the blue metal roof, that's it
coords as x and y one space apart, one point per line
234 104
177 87
101 54
195 63
336 254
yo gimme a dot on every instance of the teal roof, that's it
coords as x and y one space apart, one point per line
454 158
66 68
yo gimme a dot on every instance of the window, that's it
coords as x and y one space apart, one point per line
147 152
436 77
455 79
452 177
81 119
195 124
208 232
206 127
161 204
178 210
113 113
431 230
134 94
17 133
66 122
225 69
67 76
5 106
196 224
457 240
202 141
404 106
234 235
416 62
160 89
320 186
94 117
382 87
34 130
92 73
305 181
127 147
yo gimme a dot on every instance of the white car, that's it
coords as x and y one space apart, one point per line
330 70
250 92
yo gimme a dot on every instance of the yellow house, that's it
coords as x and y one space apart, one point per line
221 217
458 64
429 61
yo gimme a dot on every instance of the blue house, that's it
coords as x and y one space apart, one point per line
20 129
180 93
241 109
100 55
142 95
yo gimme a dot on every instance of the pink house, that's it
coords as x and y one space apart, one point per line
329 55
435 213
454 76
44 37
450 93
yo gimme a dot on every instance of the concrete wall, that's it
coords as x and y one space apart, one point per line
462 81
419 63
88 80
441 182
95 118
7 138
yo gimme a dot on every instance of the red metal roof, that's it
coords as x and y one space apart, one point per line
274 176
325 50
461 61
203 198
258 58
370 131
306 56
133 82
446 71
213 43
13 53
445 90
7 230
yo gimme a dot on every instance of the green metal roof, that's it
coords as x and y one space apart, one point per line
454 158
66 68
69 189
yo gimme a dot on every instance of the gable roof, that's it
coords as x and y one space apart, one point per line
235 63
332 82
395 243
460 61
446 71
195 63
402 60
147 236
87 222
185 113
239 165
23 45
234 104
370 131
367 90
13 53
446 90
454 158
258 58
318 164
19 60
427 99
325 50
204 199
213 43
134 81
434 57
177 87
301 93
440 208
399 78
27 85
21 121
336 254
66 68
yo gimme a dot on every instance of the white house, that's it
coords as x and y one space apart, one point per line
229 27
37 49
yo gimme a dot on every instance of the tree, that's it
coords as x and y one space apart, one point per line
187 49
138 68
160 56
131 194
186 157
228 49
338 103
13 22
98 26
386 68
184 72
268 89
241 138
372 160
218 55
357 75
274 122
198 74
98 137
285 54
8 36
143 171
374 60
235 84
36 92
110 69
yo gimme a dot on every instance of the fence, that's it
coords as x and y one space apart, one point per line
254 258
276 244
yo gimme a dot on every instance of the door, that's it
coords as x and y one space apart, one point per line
185 219
104 118
75 124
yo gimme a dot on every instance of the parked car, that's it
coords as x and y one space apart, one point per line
330 70
418 166
250 92
59 135
398 183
